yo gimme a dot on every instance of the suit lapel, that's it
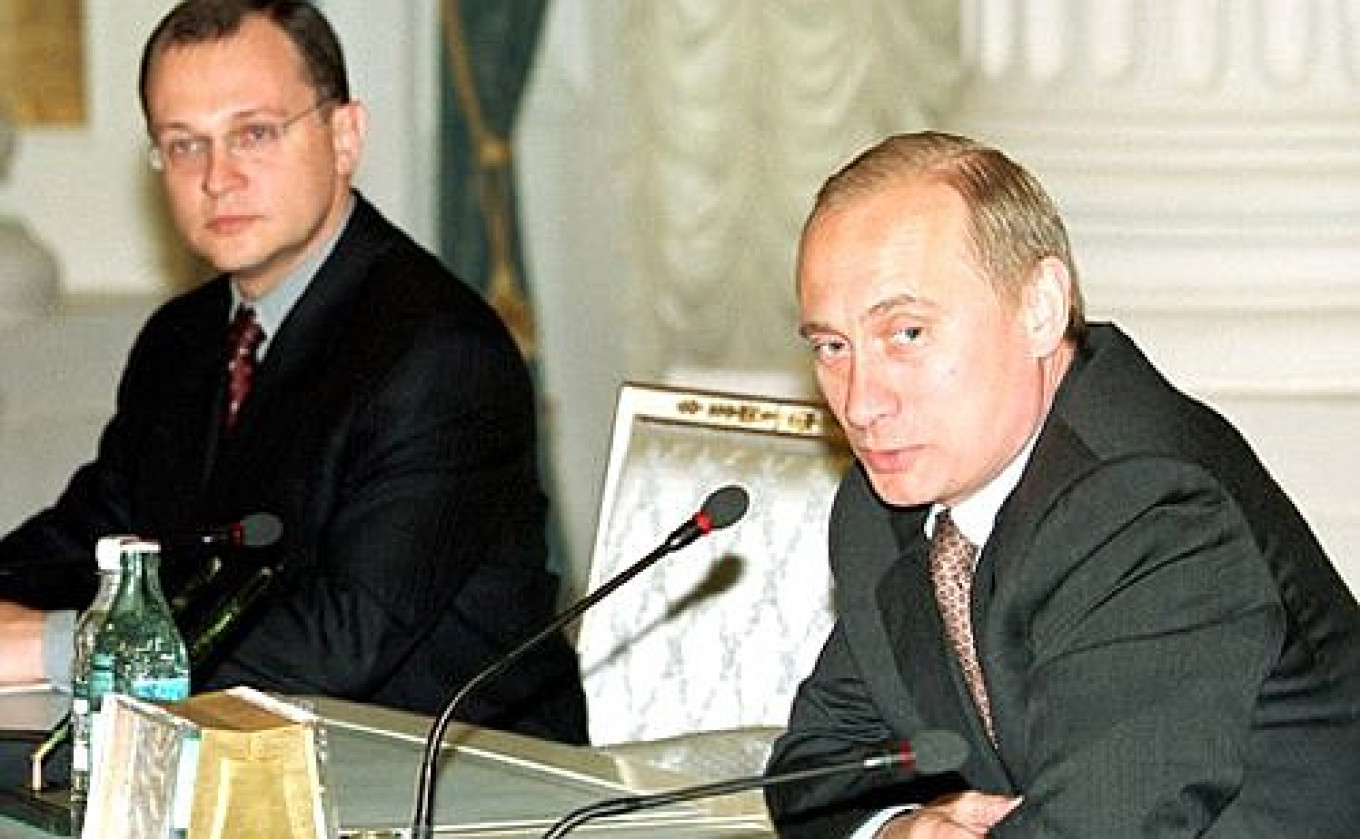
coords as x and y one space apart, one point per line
925 658
864 554
890 612
1004 568
294 375
201 367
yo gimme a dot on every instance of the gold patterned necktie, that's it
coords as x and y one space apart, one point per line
951 570
243 339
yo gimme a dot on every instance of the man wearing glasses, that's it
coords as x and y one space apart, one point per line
334 375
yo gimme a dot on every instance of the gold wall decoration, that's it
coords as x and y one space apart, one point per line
42 61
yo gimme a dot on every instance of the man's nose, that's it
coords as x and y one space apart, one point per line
868 399
221 170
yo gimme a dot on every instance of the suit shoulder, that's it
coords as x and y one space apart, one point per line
186 318
405 281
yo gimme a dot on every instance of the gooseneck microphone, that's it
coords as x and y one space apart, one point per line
723 508
257 530
927 753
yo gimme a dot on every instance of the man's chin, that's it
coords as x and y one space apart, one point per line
225 260
897 490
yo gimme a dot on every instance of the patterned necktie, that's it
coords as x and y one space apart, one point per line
243 338
951 570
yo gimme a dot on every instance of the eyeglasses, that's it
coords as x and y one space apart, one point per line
251 141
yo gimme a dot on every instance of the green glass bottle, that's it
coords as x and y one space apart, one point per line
139 651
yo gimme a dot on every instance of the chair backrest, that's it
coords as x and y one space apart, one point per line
719 635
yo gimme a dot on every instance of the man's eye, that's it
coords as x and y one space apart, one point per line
256 134
183 147
907 335
828 348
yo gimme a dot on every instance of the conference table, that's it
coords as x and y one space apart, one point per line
494 784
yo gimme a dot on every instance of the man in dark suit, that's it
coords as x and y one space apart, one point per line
389 422
1152 642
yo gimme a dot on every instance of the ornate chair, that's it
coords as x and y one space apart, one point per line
715 638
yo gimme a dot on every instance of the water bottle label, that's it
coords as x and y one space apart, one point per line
172 688
80 758
101 682
80 706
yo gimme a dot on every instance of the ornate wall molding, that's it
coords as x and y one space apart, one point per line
1201 149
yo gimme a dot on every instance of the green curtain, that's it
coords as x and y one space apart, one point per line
489 47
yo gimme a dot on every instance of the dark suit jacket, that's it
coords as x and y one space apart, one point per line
1167 650
391 428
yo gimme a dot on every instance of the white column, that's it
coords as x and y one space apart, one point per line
1207 156
29 274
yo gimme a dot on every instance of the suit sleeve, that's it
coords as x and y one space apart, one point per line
835 716
834 720
1152 621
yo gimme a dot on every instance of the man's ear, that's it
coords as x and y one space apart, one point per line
1047 306
349 126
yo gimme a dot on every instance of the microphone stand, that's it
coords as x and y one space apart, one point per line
722 508
422 819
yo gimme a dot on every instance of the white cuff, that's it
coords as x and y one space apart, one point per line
882 817
59 630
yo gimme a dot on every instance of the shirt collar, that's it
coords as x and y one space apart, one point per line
273 308
976 516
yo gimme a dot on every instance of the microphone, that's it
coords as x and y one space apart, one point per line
257 530
927 753
723 508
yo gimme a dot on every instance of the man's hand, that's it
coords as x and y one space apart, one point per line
964 816
21 644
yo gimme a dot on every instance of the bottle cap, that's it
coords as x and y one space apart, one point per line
138 545
108 551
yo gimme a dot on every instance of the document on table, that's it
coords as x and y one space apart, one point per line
30 711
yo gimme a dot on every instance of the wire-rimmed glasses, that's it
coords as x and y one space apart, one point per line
253 140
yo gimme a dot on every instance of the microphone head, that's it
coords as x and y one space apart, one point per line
260 530
724 507
938 751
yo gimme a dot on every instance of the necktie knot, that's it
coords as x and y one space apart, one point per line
951 562
243 340
245 333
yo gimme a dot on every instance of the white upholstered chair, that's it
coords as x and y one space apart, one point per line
716 637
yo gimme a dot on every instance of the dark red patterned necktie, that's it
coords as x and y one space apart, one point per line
243 339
